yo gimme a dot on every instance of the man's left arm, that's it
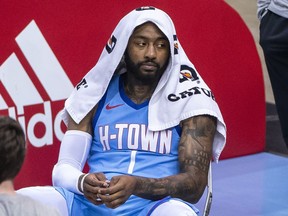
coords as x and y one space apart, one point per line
195 154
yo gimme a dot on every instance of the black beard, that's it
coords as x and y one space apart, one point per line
135 70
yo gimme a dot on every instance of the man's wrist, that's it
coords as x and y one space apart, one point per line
81 182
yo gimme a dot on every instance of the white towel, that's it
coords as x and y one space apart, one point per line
181 93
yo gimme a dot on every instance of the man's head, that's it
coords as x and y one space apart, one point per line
148 52
12 148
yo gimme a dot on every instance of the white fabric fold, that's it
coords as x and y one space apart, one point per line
181 92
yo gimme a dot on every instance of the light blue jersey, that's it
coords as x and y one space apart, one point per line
122 144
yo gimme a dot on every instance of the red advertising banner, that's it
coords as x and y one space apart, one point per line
48 46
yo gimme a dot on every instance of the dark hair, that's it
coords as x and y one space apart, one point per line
12 148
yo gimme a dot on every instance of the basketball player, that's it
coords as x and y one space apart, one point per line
133 168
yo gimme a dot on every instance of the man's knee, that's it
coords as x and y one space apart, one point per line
173 207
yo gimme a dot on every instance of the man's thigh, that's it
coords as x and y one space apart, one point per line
170 207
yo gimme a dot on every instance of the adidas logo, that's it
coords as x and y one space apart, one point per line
23 92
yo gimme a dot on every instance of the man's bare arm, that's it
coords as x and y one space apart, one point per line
195 153
86 123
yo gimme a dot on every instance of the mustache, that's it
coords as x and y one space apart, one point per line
149 62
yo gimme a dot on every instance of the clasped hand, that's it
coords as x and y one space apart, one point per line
98 190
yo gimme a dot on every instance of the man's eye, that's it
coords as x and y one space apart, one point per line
161 45
141 44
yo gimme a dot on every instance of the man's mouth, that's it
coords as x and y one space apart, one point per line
149 66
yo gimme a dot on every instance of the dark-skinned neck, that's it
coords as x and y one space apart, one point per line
137 90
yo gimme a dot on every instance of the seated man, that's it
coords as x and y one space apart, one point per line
12 154
144 121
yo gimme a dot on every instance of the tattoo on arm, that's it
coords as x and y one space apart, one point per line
195 148
195 151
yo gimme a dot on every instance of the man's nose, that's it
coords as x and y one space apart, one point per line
151 51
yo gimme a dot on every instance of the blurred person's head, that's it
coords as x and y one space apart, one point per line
12 148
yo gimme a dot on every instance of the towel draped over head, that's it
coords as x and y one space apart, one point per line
181 92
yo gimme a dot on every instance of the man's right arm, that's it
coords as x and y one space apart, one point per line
73 154
85 125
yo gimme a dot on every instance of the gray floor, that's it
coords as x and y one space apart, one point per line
253 185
